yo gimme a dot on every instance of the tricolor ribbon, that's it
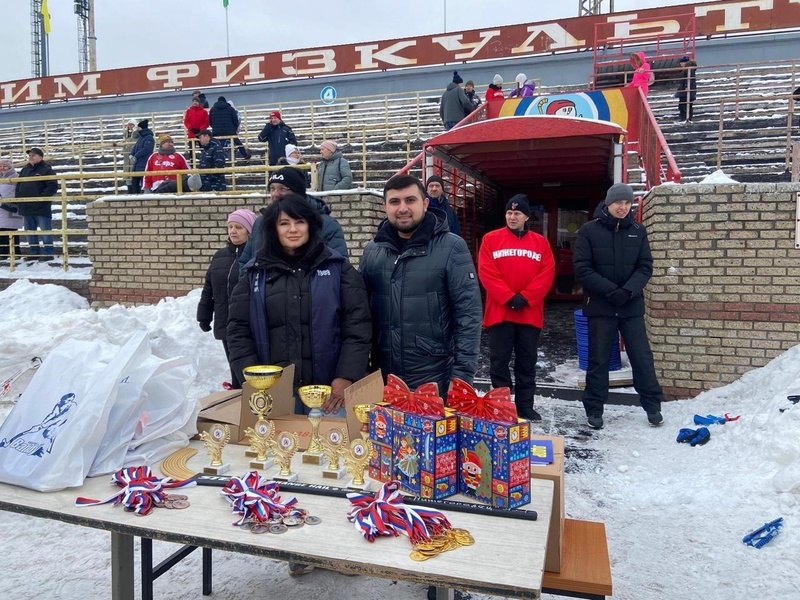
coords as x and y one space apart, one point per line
385 514
141 490
256 498
494 406
424 401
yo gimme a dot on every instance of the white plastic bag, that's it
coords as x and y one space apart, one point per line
51 436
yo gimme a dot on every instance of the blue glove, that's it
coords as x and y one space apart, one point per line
709 420
685 436
701 438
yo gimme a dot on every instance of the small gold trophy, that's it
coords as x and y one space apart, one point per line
260 438
215 439
356 459
283 448
314 397
334 443
362 414
261 377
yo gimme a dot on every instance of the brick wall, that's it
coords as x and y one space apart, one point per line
147 249
725 293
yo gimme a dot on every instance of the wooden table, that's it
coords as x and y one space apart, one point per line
507 558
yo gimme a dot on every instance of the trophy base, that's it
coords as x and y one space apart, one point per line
251 453
364 487
221 470
262 464
312 459
333 474
291 477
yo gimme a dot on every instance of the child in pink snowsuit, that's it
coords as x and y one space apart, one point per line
642 75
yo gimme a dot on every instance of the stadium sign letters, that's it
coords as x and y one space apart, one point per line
712 18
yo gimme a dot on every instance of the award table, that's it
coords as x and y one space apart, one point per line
507 558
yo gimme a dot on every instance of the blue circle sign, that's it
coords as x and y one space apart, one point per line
328 94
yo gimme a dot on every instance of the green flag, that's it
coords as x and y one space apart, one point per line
225 3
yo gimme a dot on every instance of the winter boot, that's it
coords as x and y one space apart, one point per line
526 411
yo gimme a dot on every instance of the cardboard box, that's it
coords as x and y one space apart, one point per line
553 472
494 461
220 407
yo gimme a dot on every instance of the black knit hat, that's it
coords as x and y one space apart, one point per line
519 202
434 179
291 178
144 123
457 77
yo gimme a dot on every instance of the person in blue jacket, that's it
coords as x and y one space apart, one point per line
140 152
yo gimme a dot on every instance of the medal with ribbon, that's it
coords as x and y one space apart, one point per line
494 406
423 401
256 498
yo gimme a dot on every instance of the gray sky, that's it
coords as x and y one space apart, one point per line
143 32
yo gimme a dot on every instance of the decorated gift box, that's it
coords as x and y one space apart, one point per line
415 440
494 451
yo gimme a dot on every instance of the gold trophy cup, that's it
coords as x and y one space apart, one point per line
314 397
356 459
362 414
261 377
215 439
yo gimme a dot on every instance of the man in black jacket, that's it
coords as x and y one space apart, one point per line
613 262
423 292
37 214
277 134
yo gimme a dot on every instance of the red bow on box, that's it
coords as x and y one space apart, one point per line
494 406
424 401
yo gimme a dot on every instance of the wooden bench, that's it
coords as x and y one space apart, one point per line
585 566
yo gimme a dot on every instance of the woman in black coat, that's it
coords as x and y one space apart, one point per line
687 89
221 278
301 302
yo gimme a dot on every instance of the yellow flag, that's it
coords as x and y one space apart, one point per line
45 17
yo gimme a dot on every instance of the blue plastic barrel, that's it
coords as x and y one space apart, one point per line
582 335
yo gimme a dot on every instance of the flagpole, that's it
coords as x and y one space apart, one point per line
227 37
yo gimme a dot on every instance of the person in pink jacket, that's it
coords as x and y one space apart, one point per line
642 75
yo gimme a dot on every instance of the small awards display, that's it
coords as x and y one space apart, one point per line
283 449
314 397
362 414
261 377
260 438
215 439
356 459
333 445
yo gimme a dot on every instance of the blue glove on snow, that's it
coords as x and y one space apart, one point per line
709 420
701 438
685 436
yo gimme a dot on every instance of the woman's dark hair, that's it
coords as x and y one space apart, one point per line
297 208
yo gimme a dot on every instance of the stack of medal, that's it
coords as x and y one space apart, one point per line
450 539
172 501
256 499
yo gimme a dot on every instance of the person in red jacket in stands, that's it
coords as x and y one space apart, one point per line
516 267
166 158
195 119
495 89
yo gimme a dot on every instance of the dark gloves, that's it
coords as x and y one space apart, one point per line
195 131
205 325
618 297
517 301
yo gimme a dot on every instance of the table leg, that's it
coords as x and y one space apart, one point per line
121 566
445 593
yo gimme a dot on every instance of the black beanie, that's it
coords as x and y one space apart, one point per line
617 192
434 179
143 123
221 99
520 203
457 77
291 178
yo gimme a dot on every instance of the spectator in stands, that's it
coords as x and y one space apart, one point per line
687 89
294 158
194 119
289 180
243 151
516 267
129 136
495 89
613 262
642 75
438 201
472 96
37 214
166 159
212 156
276 134
141 152
201 97
525 87
224 121
10 220
221 278
454 104
333 170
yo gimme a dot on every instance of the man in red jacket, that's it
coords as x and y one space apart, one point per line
516 267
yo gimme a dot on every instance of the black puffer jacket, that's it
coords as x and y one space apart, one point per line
426 304
329 336
34 189
223 118
221 278
612 253
277 136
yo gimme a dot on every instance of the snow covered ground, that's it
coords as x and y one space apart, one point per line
675 515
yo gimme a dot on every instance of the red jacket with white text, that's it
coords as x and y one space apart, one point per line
509 265
162 162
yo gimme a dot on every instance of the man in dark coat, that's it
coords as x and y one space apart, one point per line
38 215
291 181
212 156
454 104
277 134
423 292
613 262
142 149
687 89
437 199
